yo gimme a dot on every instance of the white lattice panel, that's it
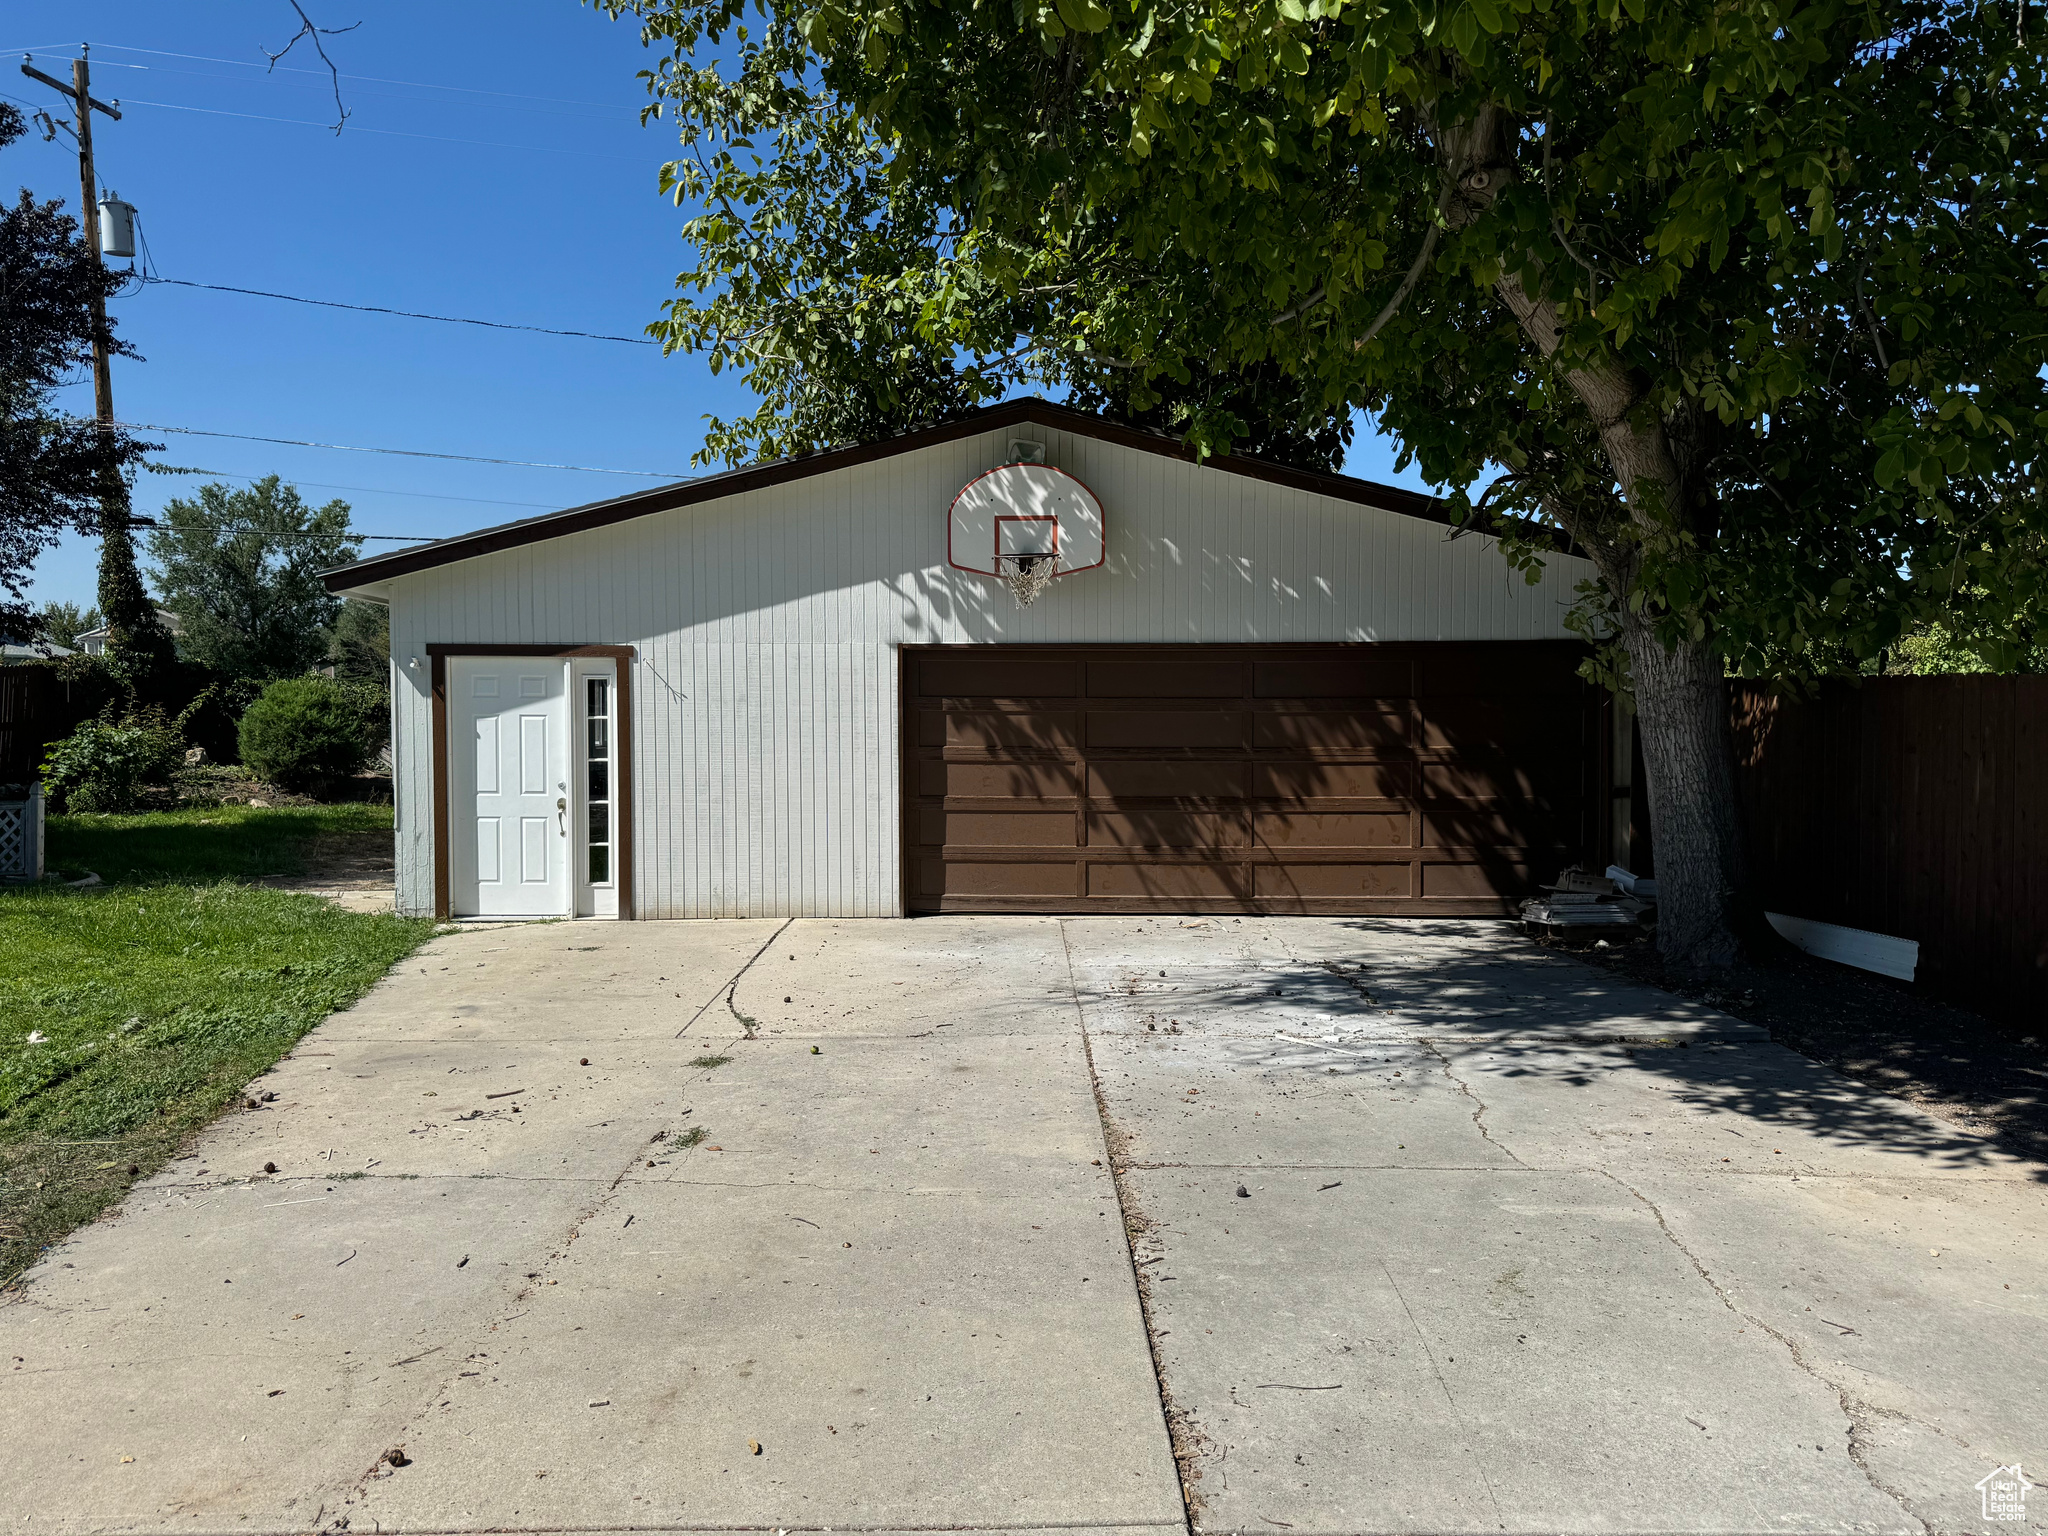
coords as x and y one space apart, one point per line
17 844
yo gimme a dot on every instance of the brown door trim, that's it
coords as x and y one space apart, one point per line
623 656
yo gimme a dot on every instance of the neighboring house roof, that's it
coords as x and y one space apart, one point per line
668 498
32 650
171 622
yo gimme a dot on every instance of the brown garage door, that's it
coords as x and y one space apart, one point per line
1411 779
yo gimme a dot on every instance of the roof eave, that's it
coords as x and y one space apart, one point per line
370 578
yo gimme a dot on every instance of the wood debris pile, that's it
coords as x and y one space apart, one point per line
1616 899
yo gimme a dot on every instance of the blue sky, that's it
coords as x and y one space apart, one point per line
493 166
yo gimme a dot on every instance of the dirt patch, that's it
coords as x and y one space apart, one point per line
355 869
1984 1075
348 858
230 784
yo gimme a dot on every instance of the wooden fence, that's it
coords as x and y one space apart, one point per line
31 717
1912 806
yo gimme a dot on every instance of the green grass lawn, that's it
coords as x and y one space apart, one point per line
129 1017
228 842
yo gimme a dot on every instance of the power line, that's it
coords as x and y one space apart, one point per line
154 526
389 133
367 490
378 309
467 90
409 453
546 110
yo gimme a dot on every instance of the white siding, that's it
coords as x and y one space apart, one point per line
766 626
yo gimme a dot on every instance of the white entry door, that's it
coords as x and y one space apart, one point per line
509 800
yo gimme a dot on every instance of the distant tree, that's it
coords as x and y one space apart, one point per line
241 570
360 649
58 474
1942 650
63 623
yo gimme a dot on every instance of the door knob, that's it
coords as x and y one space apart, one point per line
562 816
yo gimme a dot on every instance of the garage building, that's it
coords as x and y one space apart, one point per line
812 688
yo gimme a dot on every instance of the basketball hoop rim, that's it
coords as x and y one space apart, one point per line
997 575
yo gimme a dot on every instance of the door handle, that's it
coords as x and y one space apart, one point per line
562 816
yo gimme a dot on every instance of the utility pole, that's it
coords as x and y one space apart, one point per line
125 607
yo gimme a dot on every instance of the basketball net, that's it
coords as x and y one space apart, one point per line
1028 575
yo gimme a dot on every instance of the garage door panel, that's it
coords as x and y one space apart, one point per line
1166 679
1152 729
1165 829
1475 879
1186 778
1501 827
989 673
994 877
1549 784
1358 881
1368 728
1027 780
1332 829
1490 876
1400 779
1283 780
1335 679
1520 727
1163 880
995 829
1052 731
1497 671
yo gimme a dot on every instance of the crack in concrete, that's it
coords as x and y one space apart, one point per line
1150 1167
832 1189
694 1527
1186 1441
1855 1410
1423 1339
1479 1104
727 990
375 1472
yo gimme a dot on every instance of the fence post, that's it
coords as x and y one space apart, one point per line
33 863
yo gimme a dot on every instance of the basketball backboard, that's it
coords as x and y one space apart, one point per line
1029 512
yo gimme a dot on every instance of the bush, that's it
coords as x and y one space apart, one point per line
105 763
304 729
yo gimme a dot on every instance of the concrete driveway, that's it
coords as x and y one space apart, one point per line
1026 1224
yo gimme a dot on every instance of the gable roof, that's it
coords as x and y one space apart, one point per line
714 487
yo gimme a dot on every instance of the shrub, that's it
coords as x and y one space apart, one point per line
304 729
105 763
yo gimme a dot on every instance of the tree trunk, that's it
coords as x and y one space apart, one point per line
1681 693
1688 750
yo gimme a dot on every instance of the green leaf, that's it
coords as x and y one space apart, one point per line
1082 15
1465 31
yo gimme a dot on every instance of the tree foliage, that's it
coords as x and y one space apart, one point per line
54 469
63 623
360 646
241 569
1802 242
